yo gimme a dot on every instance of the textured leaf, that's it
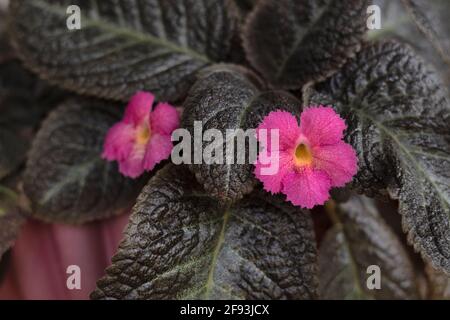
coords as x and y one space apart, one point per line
227 97
292 42
398 118
432 21
180 244
123 46
439 284
360 239
66 180
24 101
422 24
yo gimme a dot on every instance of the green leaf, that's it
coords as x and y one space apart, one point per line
226 98
180 244
398 122
293 42
359 239
125 46
66 179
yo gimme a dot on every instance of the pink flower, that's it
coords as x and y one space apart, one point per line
313 157
143 138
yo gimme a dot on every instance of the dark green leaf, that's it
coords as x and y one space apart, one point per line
24 101
227 97
10 219
124 46
432 20
398 118
66 179
180 244
292 42
360 239
423 24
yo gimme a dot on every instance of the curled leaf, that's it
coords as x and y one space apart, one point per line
180 244
292 42
66 179
229 98
360 240
398 116
124 47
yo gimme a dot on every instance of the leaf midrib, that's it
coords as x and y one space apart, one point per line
128 32
405 150
220 241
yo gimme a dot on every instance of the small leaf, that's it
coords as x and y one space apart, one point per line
227 97
398 122
66 180
292 42
360 239
180 244
125 46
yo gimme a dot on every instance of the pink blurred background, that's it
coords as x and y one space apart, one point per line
39 259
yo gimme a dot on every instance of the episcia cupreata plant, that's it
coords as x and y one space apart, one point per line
223 231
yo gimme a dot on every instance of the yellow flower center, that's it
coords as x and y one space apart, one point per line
303 155
143 134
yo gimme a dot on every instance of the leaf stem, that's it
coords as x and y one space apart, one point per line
330 209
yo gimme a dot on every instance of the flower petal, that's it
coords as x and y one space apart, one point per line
307 188
133 165
287 125
158 149
119 142
164 119
272 182
322 126
339 161
139 108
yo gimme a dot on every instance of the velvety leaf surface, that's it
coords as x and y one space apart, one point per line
23 102
123 46
292 42
422 24
228 97
398 118
66 179
432 20
180 244
360 239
